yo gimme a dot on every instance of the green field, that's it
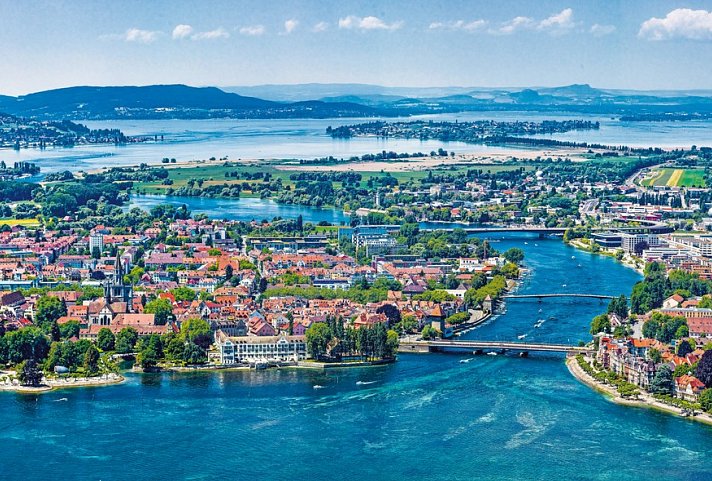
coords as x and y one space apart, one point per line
23 222
215 174
675 178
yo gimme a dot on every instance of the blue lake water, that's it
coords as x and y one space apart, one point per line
426 417
243 209
187 140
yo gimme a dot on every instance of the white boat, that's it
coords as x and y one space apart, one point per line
522 336
317 386
465 361
573 257
491 353
364 383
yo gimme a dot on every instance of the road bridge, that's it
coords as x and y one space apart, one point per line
544 296
521 347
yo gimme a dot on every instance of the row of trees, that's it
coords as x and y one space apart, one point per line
330 340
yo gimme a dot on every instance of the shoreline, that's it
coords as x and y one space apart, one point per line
645 400
473 158
583 247
55 384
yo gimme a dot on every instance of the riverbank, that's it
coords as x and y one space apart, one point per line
626 261
644 399
59 383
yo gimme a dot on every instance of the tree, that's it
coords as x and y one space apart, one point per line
705 400
662 381
29 373
161 308
126 340
619 307
317 339
198 331
428 333
105 339
54 332
229 271
704 369
684 348
150 353
391 312
183 294
91 360
600 324
48 310
194 354
391 344
514 255
69 330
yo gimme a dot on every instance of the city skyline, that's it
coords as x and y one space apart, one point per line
624 45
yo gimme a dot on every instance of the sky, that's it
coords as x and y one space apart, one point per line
626 44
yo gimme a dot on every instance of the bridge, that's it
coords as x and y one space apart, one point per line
493 346
649 227
543 296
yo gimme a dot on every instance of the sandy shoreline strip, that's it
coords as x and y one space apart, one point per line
401 165
54 384
645 400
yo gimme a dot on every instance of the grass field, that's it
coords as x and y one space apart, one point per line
676 178
22 222
215 175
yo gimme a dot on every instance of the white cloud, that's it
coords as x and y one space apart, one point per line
320 27
679 23
182 31
601 30
211 35
514 25
290 25
459 25
367 23
558 23
141 36
252 30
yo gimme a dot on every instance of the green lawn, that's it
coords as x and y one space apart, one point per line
676 177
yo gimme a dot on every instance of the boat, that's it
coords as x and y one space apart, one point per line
522 336
465 361
317 386
573 257
364 383
526 243
491 353
260 365
540 310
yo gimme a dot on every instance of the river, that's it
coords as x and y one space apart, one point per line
187 140
426 417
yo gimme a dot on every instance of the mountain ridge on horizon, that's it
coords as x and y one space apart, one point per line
337 100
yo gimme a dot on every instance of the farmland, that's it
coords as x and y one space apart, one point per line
675 178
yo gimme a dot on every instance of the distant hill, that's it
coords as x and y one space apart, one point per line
340 100
163 101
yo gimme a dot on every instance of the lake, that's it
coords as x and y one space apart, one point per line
187 140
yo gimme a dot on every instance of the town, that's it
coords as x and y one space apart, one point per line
177 291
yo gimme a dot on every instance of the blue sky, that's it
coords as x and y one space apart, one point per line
642 44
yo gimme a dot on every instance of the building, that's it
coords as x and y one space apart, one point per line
636 243
609 240
96 241
250 349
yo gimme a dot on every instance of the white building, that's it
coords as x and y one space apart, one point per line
280 348
96 241
629 242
